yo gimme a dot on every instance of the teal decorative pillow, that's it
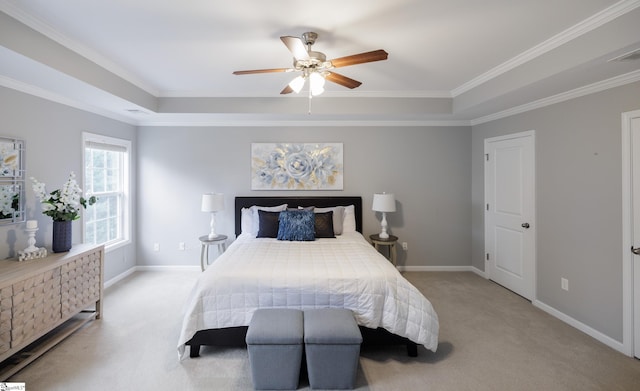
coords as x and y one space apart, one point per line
296 225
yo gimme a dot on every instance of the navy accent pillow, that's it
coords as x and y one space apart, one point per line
338 217
324 225
267 224
297 225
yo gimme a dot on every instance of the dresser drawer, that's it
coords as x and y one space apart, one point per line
36 306
5 318
81 283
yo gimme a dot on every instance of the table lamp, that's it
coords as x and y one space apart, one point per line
384 203
212 202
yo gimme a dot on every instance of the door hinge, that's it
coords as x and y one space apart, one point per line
487 206
486 156
487 256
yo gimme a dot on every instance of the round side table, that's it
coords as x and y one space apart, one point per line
390 242
220 240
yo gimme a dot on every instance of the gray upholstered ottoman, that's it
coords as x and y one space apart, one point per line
274 341
332 344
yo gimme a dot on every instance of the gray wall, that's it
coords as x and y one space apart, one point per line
579 202
428 169
53 139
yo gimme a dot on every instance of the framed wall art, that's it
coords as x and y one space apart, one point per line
12 192
296 166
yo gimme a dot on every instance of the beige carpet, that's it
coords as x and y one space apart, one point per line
490 339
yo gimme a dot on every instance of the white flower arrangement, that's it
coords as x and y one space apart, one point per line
62 204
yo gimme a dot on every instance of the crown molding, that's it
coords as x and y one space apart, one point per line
613 82
192 121
331 94
601 18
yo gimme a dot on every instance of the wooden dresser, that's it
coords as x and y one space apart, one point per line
38 295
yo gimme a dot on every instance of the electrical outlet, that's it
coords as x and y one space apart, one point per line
181 246
156 247
405 246
564 283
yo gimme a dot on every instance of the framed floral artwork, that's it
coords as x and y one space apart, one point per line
12 202
296 166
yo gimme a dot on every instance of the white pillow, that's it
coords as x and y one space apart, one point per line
255 224
246 220
349 222
338 217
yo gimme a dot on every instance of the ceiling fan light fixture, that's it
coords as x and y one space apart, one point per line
297 84
316 83
315 66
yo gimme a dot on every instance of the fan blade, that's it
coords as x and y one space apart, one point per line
342 80
376 55
286 90
295 46
272 70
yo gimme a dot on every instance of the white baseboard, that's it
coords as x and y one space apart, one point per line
472 269
612 343
170 268
479 272
119 277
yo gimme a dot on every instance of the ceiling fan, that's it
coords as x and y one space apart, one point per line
315 67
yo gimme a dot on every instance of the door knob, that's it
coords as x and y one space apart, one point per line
526 225
635 250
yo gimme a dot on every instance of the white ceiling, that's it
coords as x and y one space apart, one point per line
476 57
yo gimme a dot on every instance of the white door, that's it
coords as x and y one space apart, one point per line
510 211
635 260
631 232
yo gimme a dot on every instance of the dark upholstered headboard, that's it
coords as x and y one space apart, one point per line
294 202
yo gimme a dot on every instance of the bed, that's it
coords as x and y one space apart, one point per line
343 271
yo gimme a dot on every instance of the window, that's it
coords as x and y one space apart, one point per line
106 176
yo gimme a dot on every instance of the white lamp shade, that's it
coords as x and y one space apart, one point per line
384 202
212 202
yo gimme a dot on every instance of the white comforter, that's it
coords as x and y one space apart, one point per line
345 272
